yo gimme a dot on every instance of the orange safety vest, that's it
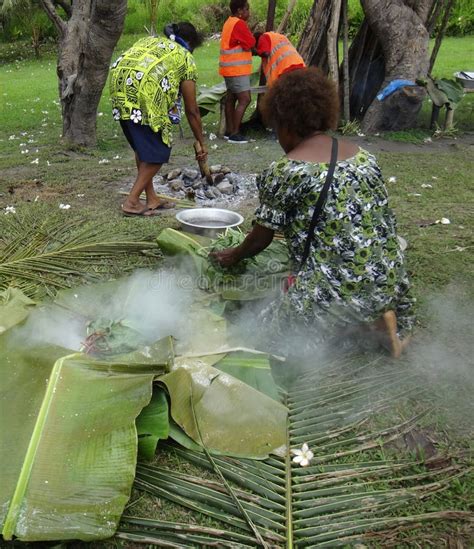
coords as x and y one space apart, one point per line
233 61
282 56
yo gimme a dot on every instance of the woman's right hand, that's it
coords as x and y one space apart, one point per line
226 258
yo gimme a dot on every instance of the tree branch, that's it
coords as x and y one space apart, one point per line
286 17
441 31
51 12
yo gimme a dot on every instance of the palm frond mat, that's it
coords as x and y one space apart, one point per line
41 253
351 490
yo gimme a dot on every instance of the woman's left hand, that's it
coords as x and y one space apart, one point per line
226 258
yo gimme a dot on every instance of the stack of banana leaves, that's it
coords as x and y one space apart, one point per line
83 393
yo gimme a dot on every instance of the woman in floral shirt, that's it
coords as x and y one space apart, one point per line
146 84
354 277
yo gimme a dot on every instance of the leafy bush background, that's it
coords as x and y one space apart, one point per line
208 16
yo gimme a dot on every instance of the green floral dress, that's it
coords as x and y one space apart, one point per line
145 81
355 270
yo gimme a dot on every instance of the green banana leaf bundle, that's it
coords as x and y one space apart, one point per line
257 278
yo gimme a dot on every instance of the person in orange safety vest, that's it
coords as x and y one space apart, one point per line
278 55
235 65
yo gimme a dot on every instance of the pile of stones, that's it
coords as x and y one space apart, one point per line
188 183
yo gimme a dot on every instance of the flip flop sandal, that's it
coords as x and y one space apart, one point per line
134 214
166 205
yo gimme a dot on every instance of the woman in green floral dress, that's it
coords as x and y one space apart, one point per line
146 84
354 277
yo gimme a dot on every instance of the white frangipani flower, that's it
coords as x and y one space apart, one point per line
392 179
443 221
10 210
64 206
303 457
136 116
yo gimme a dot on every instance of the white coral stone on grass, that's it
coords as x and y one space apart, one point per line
302 457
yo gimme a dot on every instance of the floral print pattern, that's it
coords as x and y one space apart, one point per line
145 82
355 270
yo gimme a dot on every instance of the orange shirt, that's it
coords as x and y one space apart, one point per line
235 56
278 56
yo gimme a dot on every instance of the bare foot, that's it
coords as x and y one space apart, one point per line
133 207
405 342
387 329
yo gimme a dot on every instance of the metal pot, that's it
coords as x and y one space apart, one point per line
466 79
208 221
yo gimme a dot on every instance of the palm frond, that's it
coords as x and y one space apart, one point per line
354 486
42 255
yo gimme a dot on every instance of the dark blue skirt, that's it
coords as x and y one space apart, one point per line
146 143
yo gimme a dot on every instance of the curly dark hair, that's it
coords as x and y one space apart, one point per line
188 32
303 101
236 5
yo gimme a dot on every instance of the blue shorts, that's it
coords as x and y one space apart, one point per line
147 144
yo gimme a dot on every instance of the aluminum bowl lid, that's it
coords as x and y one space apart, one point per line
209 218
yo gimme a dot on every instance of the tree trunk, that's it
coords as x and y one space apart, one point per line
271 15
366 70
399 27
86 44
313 42
332 36
345 62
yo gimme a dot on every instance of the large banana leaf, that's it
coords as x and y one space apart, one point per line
222 413
254 370
15 307
68 438
355 485
153 424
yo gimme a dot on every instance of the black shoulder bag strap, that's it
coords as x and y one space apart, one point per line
321 202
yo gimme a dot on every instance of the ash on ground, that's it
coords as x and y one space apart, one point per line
227 187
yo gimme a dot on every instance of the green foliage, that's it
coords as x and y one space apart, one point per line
25 19
350 127
207 17
461 21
